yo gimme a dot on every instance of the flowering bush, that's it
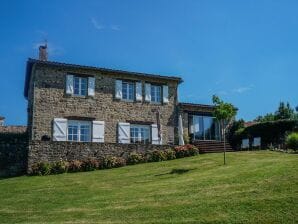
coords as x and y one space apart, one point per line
59 167
90 164
41 168
135 158
156 156
75 166
170 154
113 162
186 150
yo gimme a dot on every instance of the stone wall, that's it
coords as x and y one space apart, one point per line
13 129
51 151
50 101
13 154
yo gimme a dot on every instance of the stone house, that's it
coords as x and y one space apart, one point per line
74 106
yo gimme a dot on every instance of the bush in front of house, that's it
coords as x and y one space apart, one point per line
41 169
112 162
90 164
75 166
156 156
59 167
170 154
292 141
186 151
135 158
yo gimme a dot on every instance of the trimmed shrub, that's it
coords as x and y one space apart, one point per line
59 167
170 154
113 162
271 132
75 166
135 158
90 164
186 151
41 169
156 156
292 141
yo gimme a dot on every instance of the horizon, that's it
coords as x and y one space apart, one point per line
246 53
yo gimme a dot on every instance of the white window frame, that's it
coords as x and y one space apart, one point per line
79 125
154 93
138 139
128 89
80 86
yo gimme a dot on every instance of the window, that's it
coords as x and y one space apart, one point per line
155 94
128 90
205 128
140 134
79 131
80 86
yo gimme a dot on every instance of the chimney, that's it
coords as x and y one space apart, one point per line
43 54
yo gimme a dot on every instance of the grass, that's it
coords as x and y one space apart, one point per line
254 187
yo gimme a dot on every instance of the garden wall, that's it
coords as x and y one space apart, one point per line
50 151
13 153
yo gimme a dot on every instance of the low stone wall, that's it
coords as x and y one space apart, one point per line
50 151
13 154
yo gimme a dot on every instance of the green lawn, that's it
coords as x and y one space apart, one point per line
254 187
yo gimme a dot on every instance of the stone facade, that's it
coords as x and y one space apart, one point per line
47 100
51 151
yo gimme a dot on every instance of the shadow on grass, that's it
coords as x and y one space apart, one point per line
176 171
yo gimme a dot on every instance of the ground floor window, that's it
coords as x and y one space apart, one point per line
204 127
79 131
140 134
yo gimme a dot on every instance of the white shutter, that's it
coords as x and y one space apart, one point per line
69 84
98 131
123 132
59 129
147 92
154 135
91 86
118 89
139 95
165 92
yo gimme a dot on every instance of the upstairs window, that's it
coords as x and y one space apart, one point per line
79 131
155 94
140 134
80 85
128 90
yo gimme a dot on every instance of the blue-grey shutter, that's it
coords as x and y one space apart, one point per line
98 131
139 95
69 84
155 140
60 129
123 132
165 93
91 86
147 92
118 89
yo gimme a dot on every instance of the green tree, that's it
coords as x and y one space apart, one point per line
225 114
284 111
267 117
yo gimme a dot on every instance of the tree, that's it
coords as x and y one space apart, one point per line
225 114
267 117
284 111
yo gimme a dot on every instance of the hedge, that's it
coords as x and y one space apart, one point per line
271 132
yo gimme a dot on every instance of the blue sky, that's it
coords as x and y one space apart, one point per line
244 51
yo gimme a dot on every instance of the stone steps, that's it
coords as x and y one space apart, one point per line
212 146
